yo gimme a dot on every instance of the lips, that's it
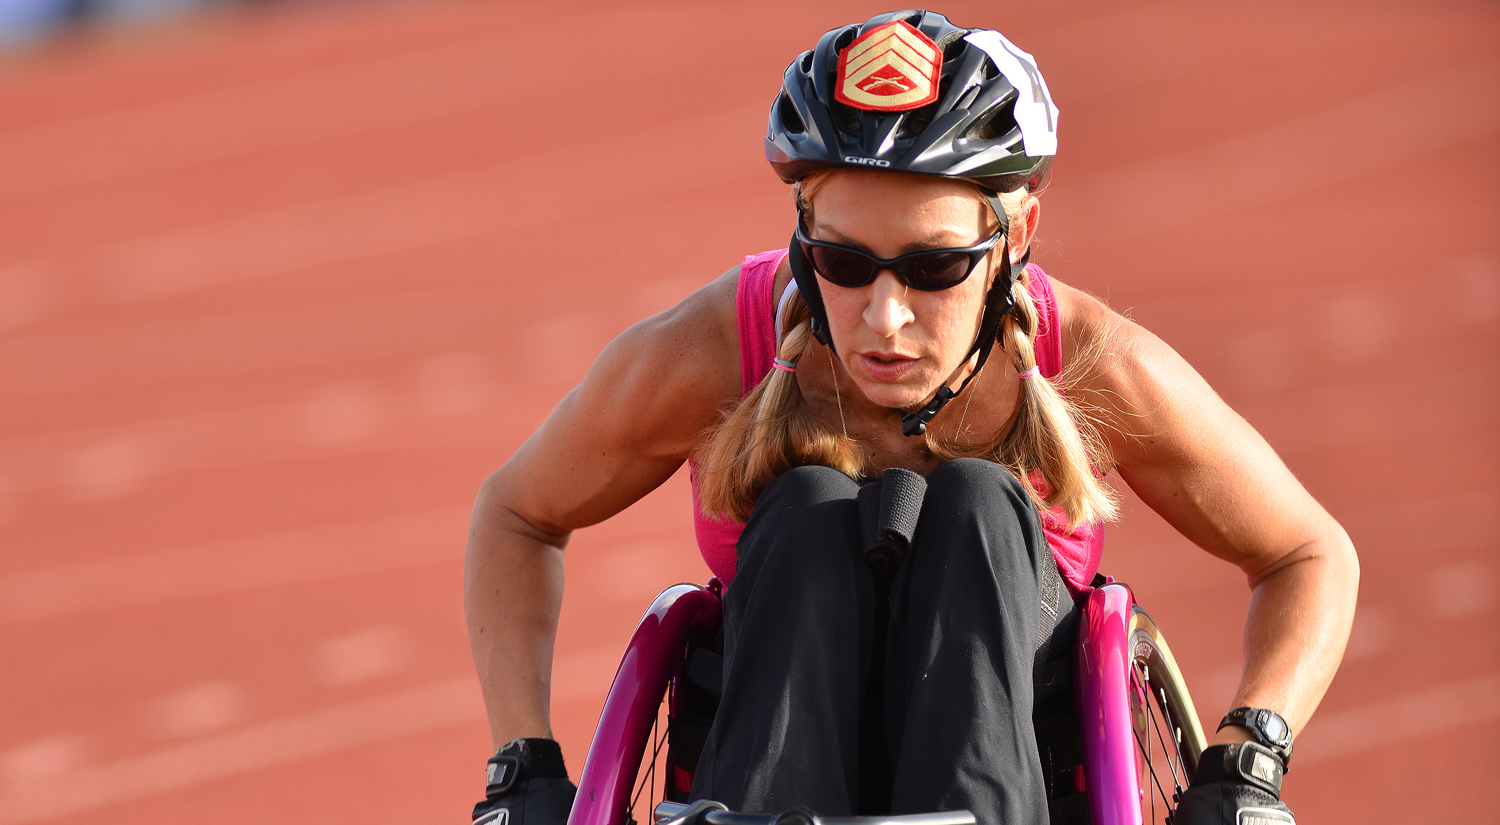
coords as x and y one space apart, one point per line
886 366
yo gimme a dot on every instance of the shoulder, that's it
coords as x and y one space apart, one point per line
1153 408
638 414
697 332
1134 385
672 373
1088 324
1104 349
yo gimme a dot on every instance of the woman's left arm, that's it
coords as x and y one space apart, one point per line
1201 466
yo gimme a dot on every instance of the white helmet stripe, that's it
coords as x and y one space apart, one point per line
1036 114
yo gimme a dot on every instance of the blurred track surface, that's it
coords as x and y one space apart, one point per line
278 289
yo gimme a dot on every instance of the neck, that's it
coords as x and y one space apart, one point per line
864 418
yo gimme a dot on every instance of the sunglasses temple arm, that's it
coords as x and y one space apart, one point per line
807 284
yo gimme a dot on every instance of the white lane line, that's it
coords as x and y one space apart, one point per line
317 104
353 333
462 204
1375 132
99 462
1436 710
456 701
580 675
311 555
438 705
475 203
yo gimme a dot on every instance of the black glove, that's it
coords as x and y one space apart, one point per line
526 784
1235 785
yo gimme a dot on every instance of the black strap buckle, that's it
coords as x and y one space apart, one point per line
500 778
1260 766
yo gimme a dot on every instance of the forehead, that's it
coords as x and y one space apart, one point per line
861 192
895 204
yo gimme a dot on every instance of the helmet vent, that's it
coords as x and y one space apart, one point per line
917 119
787 112
807 61
911 17
845 118
844 39
986 127
953 45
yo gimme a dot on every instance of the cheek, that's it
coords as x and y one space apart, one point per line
944 318
950 317
844 308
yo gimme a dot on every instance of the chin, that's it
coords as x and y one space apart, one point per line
896 395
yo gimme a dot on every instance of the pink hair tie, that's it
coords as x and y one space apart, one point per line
785 366
1031 373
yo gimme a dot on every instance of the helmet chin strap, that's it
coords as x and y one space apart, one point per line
997 303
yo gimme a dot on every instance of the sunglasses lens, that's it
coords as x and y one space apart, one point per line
938 270
842 267
929 271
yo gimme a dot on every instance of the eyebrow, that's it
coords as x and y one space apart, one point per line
930 242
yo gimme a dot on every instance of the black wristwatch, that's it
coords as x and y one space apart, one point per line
1268 728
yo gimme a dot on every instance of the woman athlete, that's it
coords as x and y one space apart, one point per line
898 431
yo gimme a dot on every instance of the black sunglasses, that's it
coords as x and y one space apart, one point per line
929 270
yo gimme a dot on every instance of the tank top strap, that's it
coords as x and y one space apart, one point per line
1049 350
756 312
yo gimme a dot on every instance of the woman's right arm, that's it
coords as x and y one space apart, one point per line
638 414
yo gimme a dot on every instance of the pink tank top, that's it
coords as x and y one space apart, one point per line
1078 552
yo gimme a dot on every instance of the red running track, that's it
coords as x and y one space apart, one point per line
277 289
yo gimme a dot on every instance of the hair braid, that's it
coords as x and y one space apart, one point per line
1051 445
770 432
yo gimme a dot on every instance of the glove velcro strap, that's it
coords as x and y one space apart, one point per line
1249 762
1263 816
501 774
523 759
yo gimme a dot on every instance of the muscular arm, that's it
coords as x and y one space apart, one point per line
1210 474
621 433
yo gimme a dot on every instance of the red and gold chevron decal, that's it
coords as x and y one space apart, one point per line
890 68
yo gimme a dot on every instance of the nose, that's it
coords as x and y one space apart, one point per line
887 310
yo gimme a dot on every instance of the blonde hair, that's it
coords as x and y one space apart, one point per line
772 430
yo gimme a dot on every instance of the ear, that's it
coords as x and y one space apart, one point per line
1023 229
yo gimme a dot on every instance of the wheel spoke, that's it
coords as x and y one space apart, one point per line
650 778
1167 699
1150 724
1160 791
1145 749
1166 712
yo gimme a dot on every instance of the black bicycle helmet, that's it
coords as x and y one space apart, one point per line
909 91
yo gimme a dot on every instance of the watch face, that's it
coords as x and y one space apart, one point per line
1267 726
1273 726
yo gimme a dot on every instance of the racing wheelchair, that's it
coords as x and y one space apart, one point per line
1130 750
